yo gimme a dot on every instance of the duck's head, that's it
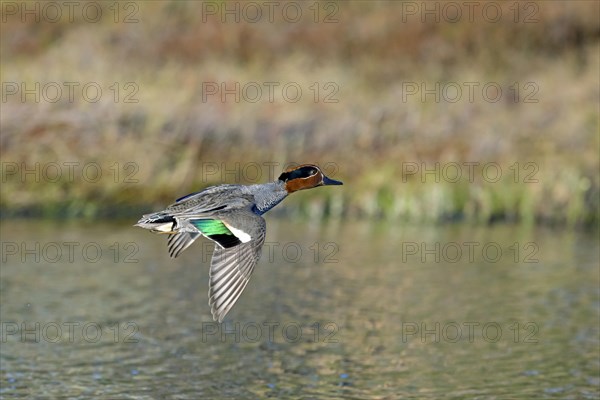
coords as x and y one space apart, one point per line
305 176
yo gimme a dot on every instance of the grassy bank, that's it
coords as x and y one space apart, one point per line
155 133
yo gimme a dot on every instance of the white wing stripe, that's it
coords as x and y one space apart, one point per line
240 234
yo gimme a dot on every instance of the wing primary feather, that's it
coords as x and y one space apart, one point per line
228 298
178 242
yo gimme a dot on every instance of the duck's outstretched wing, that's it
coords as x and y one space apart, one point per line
231 267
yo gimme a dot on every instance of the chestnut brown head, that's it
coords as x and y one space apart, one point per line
305 176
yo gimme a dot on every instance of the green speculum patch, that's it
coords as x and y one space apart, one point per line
210 227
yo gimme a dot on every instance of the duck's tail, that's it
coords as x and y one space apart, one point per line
160 222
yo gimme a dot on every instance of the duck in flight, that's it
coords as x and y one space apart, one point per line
230 216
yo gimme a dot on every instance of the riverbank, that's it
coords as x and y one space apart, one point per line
423 121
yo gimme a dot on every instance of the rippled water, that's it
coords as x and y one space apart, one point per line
348 309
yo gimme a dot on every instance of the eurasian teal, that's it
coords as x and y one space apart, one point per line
230 216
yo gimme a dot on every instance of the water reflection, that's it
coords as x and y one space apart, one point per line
342 309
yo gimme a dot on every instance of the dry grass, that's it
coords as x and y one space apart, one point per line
370 133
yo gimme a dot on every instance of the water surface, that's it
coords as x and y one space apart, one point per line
343 309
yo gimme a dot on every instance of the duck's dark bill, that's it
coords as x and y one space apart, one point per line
329 181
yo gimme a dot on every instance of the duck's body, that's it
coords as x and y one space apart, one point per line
231 216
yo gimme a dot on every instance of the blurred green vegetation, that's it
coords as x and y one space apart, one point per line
369 50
